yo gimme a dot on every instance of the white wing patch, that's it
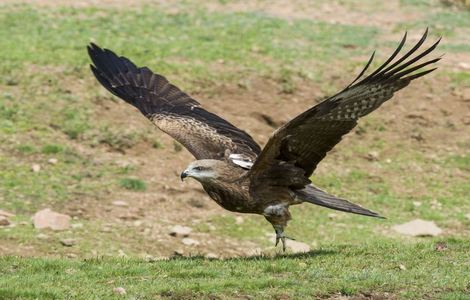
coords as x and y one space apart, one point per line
241 161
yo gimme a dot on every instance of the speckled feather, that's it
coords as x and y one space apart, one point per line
305 140
203 133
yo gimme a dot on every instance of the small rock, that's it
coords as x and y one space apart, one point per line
68 242
373 156
190 242
42 236
119 290
441 246
52 161
211 255
178 252
35 168
417 203
436 204
239 220
402 267
297 247
418 227
71 255
77 225
129 217
180 231
466 94
4 221
332 216
6 214
464 65
121 253
47 218
467 216
120 203
150 258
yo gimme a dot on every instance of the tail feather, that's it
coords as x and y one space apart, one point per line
316 196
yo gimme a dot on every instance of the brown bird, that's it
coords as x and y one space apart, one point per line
230 165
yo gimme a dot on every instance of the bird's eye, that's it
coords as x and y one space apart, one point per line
198 168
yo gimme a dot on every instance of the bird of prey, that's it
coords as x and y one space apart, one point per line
231 167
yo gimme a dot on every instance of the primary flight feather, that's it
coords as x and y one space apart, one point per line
230 165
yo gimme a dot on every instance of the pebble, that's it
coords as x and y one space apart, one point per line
180 231
77 225
373 155
239 220
211 255
52 161
42 236
120 203
190 242
68 242
35 168
441 246
4 221
119 290
6 214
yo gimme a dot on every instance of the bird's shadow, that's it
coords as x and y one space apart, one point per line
267 256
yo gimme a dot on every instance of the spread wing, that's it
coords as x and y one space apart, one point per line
304 141
204 134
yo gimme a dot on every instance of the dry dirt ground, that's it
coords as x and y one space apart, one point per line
430 116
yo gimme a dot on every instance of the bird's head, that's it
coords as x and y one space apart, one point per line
203 170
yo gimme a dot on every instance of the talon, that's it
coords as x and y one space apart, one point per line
280 236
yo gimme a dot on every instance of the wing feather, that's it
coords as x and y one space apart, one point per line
306 139
203 133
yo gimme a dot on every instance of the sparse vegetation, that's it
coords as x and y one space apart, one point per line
236 62
317 274
133 184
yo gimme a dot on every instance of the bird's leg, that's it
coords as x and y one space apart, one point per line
278 215
280 236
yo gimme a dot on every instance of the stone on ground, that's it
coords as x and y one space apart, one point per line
120 203
190 242
47 218
180 231
4 221
6 214
119 290
297 247
418 227
68 242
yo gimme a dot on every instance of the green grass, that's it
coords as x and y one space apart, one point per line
133 184
377 267
51 107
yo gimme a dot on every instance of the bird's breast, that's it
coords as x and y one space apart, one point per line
236 199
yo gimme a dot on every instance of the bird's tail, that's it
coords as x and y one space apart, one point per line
316 196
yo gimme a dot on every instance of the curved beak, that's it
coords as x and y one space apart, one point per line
183 175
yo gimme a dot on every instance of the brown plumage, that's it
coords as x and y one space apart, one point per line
230 165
